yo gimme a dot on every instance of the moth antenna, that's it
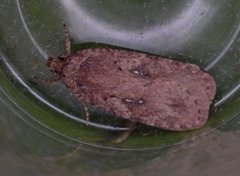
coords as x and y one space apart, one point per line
67 41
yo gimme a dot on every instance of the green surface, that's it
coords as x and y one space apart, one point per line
39 139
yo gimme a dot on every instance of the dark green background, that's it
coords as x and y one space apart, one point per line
37 139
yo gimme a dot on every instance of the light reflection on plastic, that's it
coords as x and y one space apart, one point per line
172 35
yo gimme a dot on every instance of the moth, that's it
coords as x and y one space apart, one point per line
149 89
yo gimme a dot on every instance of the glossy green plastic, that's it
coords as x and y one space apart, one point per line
42 126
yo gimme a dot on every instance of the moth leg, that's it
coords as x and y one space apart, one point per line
125 134
49 81
67 42
87 115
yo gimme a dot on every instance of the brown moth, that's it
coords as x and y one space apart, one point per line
140 87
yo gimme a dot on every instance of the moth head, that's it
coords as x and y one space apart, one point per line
56 64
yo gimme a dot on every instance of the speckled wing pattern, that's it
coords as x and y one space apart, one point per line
149 89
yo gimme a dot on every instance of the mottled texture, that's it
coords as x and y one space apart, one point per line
144 88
